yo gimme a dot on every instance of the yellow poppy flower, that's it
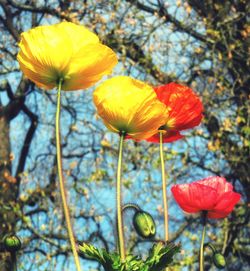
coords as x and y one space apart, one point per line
64 51
130 106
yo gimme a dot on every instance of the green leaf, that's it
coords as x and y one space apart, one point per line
110 261
133 263
92 252
161 256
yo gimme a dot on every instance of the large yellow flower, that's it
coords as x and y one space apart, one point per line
64 51
130 106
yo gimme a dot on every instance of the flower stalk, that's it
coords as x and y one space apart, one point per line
204 222
133 206
61 179
13 261
121 243
164 188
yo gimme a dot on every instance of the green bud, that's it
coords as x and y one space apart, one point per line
219 260
144 224
12 243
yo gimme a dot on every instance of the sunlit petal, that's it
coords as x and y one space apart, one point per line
129 105
66 52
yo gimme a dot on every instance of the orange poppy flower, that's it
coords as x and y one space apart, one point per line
185 111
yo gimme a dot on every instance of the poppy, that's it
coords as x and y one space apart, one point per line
184 111
64 52
213 194
129 106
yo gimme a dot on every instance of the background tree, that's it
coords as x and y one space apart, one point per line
204 44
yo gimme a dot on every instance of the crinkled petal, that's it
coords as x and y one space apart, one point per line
220 184
226 203
185 106
212 194
194 197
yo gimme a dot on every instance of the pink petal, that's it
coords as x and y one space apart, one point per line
194 197
218 183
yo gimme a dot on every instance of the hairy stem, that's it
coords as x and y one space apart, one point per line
164 188
61 180
121 243
204 222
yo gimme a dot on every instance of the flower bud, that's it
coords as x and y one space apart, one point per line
12 243
219 260
144 224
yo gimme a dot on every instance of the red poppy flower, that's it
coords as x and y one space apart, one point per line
213 194
185 110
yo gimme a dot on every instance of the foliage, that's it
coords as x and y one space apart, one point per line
160 256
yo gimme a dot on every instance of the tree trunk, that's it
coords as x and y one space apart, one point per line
8 189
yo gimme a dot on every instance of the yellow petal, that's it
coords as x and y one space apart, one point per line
79 35
129 105
47 46
89 65
43 76
64 51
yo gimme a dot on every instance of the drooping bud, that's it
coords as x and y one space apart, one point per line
219 260
144 224
12 243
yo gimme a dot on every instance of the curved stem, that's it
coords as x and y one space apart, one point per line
164 188
204 222
119 202
133 206
61 180
211 247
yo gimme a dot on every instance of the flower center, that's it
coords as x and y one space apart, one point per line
169 125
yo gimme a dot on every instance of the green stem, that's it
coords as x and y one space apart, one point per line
164 188
119 202
226 230
211 247
133 206
204 222
13 261
61 180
